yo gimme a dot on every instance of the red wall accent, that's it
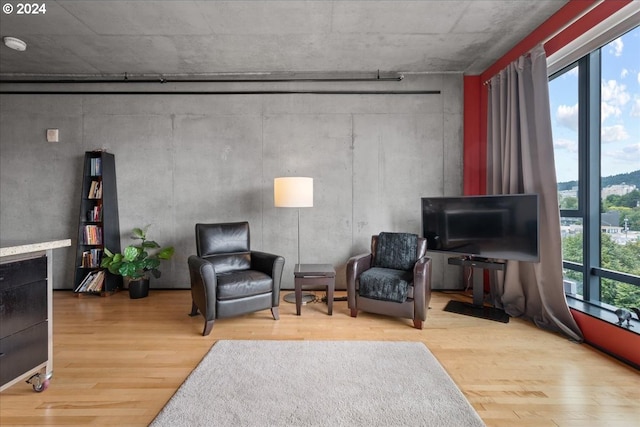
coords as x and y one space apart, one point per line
614 339
474 144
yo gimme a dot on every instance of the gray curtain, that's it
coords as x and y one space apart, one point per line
520 160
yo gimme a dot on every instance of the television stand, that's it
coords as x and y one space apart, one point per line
477 308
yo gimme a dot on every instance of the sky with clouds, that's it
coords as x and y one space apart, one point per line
620 111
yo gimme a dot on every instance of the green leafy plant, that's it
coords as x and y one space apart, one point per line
137 261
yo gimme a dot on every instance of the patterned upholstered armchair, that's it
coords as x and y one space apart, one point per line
228 278
394 279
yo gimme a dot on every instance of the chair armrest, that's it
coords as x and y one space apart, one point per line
267 263
355 267
203 285
272 265
422 287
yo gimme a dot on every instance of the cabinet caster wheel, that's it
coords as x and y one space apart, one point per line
39 388
39 382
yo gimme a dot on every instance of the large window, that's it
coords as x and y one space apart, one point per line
595 114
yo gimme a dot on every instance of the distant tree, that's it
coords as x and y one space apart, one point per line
632 216
610 202
568 185
629 200
572 251
569 203
572 248
631 178
632 199
625 258
619 294
634 219
616 257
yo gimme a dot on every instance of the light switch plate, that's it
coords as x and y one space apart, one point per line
52 135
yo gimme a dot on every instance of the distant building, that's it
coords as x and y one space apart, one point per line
611 218
618 190
573 192
610 222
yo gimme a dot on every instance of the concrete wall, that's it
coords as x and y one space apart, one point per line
183 159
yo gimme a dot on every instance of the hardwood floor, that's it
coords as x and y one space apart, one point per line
117 361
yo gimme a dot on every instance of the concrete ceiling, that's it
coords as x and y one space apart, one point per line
90 38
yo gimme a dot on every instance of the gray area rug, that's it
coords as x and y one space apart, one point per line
318 383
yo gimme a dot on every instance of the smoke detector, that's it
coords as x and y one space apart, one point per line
15 43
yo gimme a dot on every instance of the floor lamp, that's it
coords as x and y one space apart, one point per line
294 192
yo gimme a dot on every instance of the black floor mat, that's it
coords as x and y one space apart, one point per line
469 309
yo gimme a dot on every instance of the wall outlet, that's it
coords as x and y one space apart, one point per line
52 135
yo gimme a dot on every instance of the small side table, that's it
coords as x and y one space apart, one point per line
314 276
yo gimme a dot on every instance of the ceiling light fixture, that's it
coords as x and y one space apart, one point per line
15 44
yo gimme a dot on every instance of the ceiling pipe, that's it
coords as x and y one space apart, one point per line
205 92
199 78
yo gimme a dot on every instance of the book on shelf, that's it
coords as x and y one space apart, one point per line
96 166
92 235
97 282
95 190
92 189
95 214
92 282
83 285
92 258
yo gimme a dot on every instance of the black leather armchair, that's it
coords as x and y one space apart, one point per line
228 278
398 281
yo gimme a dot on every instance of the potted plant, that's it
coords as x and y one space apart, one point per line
137 261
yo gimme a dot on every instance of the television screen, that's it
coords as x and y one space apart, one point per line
502 227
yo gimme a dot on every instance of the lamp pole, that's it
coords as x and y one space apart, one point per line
298 235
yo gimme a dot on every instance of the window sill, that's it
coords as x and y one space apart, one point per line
603 314
600 330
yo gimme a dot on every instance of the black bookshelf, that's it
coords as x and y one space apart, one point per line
98 225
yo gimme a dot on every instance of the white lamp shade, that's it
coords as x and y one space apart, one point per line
293 192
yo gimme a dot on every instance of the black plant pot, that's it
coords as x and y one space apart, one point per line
138 288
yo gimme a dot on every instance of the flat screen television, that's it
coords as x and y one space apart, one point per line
501 227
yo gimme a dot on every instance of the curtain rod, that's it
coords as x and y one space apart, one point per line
573 21
558 31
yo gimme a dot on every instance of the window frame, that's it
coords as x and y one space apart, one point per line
589 182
